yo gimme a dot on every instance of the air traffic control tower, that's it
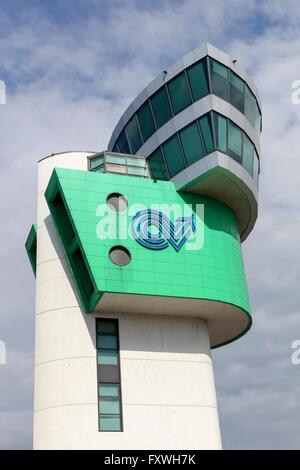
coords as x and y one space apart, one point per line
138 264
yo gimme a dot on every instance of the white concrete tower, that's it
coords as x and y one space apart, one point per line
125 327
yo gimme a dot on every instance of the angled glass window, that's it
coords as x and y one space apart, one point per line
122 143
219 79
157 165
198 79
221 132
173 156
207 133
248 152
133 135
161 107
236 92
234 141
96 161
146 121
250 106
179 93
192 143
257 119
255 168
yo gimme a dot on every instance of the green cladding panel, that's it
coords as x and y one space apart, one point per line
31 246
213 272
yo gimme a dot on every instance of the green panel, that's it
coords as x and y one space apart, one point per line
213 272
122 143
173 156
31 247
192 143
221 132
146 121
248 151
234 141
179 93
109 390
198 79
110 406
110 423
207 133
236 92
133 135
219 79
161 107
157 166
109 357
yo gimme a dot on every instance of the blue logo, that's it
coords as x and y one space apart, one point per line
165 233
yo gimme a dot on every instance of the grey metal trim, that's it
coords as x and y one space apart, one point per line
243 202
68 151
186 61
193 112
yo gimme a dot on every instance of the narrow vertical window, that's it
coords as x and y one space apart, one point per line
108 369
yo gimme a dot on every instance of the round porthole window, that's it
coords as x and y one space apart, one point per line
119 256
116 202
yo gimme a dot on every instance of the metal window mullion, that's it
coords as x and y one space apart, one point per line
181 146
209 74
170 102
138 125
165 161
189 87
153 117
201 136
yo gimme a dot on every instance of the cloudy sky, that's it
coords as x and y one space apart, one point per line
71 67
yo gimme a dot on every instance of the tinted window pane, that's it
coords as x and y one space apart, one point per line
133 135
157 166
219 79
179 93
236 92
123 143
109 390
221 132
106 326
191 143
250 106
207 134
173 156
110 406
108 356
198 80
96 161
234 141
106 342
110 423
257 120
248 149
255 168
161 107
146 122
